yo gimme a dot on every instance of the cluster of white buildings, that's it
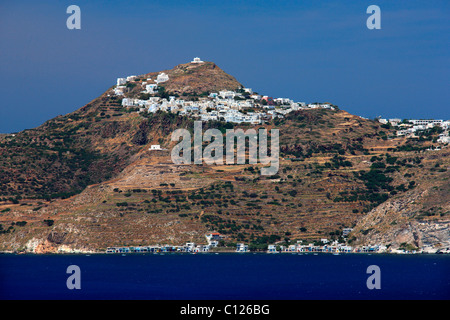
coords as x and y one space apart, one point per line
225 105
121 84
326 248
149 85
190 247
411 127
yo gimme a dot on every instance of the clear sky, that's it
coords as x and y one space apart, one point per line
311 51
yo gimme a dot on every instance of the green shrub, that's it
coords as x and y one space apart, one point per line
122 204
49 222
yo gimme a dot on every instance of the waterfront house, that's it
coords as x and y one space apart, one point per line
189 247
214 236
240 247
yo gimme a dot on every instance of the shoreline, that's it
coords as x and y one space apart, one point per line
217 252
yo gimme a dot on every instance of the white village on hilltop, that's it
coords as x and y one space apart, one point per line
239 106
225 105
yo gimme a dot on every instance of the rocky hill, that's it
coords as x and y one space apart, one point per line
192 78
87 180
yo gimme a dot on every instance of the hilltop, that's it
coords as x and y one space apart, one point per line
192 78
87 180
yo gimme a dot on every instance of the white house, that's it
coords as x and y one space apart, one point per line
151 88
121 81
215 236
189 247
395 121
285 101
227 94
213 243
443 138
427 122
201 248
131 78
155 147
127 102
162 77
241 247
118 91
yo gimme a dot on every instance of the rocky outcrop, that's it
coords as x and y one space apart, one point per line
398 223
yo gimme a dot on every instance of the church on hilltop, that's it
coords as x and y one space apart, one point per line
196 60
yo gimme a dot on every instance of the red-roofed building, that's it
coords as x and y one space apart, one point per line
269 100
214 236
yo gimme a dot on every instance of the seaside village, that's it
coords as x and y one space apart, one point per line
229 106
213 240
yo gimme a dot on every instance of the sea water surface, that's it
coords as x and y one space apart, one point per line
224 276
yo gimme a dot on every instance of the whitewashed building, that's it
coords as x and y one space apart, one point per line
227 94
196 60
155 147
118 91
162 77
151 88
240 247
443 139
426 122
395 121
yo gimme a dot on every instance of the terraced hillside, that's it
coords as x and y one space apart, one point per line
86 180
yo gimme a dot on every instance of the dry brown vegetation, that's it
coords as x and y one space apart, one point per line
86 180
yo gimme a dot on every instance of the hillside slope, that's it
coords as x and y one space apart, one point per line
86 180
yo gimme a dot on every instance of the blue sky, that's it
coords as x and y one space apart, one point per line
306 50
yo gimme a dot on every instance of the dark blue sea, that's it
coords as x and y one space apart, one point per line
225 276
